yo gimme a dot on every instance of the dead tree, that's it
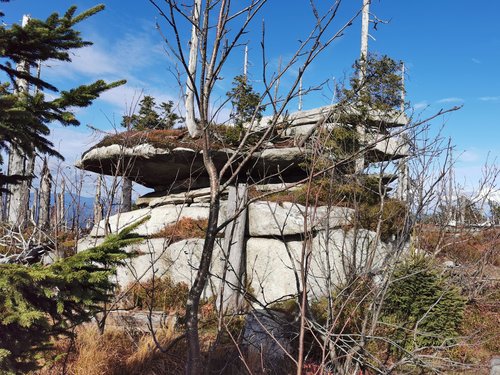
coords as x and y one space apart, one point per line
215 45
98 209
45 191
20 163
365 23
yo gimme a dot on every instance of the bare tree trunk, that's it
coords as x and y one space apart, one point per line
2 204
61 206
18 200
402 189
97 202
26 185
35 206
234 243
16 208
45 189
194 130
194 362
365 22
126 205
245 64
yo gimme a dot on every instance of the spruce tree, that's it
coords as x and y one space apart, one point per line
380 89
39 303
245 102
25 117
152 116
422 305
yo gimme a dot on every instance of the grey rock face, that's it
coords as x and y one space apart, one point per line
268 335
495 366
177 168
273 247
160 217
274 219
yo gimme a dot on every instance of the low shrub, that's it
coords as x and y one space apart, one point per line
423 305
391 217
159 294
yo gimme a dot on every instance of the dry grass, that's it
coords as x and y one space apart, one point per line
476 253
159 294
461 245
117 353
158 138
100 354
481 330
183 229
223 136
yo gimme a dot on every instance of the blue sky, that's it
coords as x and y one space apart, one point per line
451 49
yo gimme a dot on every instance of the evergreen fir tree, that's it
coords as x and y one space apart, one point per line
380 89
152 116
423 304
25 118
38 303
245 101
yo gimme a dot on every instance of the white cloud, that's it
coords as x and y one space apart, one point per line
469 156
127 97
451 100
71 142
420 105
123 59
490 98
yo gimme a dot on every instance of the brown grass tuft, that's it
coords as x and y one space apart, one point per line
160 294
183 229
117 353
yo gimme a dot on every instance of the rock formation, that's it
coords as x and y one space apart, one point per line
278 235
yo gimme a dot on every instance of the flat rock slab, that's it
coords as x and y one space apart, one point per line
160 217
163 168
285 219
265 219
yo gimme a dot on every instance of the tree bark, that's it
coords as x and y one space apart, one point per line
35 207
194 362
192 126
61 206
126 195
365 22
19 164
15 206
97 202
45 189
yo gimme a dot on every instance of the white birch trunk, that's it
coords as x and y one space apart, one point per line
365 22
192 126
